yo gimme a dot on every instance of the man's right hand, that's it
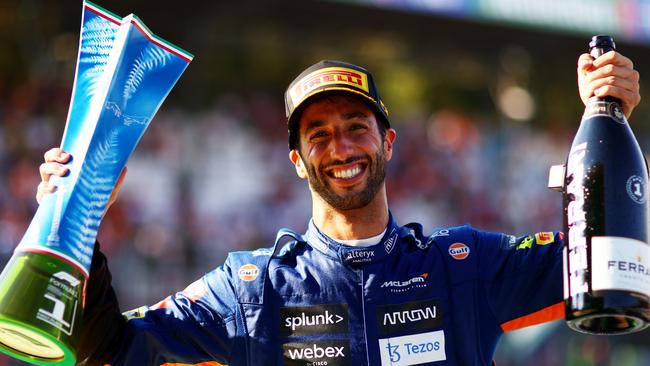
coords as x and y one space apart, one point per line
55 160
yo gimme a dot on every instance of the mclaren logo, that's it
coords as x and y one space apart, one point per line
401 286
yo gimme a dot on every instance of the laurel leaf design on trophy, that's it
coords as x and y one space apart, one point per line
151 58
92 191
96 45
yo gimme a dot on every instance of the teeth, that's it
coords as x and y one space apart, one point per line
347 173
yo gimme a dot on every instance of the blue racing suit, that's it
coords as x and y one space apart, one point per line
412 299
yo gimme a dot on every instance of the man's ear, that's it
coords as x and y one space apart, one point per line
295 158
391 135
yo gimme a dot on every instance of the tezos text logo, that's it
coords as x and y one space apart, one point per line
413 349
459 251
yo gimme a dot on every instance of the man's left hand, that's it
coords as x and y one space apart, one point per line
611 74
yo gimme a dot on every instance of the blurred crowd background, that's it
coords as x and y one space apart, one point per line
483 106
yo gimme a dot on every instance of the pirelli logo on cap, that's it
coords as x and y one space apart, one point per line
328 76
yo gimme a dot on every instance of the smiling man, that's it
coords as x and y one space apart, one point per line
357 288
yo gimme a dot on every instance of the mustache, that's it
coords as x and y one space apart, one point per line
349 160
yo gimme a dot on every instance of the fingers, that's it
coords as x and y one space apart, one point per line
43 189
611 74
614 58
49 169
56 155
585 64
611 71
54 165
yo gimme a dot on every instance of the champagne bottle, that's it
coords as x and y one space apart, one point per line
606 254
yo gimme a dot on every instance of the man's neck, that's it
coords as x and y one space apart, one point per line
358 223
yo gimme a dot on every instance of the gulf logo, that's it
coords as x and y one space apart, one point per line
248 272
459 251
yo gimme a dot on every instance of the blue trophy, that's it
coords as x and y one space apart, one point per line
124 72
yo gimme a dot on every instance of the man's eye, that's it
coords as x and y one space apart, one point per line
317 134
357 127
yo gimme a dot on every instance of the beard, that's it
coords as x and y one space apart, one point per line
350 200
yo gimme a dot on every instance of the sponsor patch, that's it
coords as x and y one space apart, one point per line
310 320
459 251
390 243
402 286
440 233
508 242
408 317
359 256
544 238
330 353
526 243
248 272
413 349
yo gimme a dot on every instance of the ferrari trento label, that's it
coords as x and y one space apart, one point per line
408 317
620 264
604 108
310 320
413 349
330 353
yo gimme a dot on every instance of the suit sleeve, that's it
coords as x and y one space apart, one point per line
522 277
193 326
102 323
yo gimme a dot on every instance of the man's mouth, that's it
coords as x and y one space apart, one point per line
348 171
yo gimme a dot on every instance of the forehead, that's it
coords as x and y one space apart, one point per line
333 105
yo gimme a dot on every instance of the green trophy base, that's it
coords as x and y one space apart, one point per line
40 306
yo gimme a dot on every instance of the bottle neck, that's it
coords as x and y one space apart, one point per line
596 52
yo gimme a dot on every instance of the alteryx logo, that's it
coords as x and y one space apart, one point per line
359 256
413 349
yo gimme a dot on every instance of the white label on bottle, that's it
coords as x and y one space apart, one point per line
620 264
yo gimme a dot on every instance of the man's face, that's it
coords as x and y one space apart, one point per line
342 151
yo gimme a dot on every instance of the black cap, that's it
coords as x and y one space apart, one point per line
332 77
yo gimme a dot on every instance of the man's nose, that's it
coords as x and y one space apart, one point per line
341 147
